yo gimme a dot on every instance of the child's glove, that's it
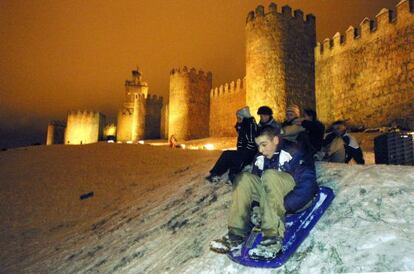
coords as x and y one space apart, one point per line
319 156
284 157
259 162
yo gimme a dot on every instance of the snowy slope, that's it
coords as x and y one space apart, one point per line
142 220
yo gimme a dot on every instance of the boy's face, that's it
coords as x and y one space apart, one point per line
264 118
239 119
267 146
290 116
339 129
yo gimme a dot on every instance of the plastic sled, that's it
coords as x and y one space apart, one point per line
297 228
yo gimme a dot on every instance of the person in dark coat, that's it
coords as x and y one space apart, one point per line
235 161
266 118
342 147
282 181
313 128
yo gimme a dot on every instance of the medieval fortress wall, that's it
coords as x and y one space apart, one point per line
55 132
140 117
84 127
279 59
164 121
224 102
131 119
189 103
367 74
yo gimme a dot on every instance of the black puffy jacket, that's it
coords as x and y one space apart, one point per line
247 131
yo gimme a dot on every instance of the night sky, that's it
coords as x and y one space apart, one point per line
57 56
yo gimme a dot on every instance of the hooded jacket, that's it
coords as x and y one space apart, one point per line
290 159
315 130
247 131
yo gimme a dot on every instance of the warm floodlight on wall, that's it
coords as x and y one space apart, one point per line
209 146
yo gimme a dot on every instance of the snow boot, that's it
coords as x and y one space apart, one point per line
228 243
213 178
267 249
255 216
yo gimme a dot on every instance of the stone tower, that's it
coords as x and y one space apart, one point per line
189 104
131 119
84 127
280 59
55 133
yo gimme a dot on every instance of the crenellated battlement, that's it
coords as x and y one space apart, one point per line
78 114
185 71
189 94
367 29
84 127
154 99
234 87
225 100
284 12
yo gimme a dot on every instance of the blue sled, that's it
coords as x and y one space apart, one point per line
297 226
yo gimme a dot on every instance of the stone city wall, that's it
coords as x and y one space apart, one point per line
224 102
367 75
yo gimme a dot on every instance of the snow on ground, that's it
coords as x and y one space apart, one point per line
152 212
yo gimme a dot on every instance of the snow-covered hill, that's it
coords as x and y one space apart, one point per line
152 212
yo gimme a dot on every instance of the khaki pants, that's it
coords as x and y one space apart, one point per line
336 151
269 191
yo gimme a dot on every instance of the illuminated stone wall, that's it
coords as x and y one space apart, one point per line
224 102
189 104
109 131
84 127
140 117
55 133
131 120
123 127
367 75
280 59
164 121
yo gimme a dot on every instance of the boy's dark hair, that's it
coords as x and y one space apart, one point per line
269 131
265 110
339 122
310 112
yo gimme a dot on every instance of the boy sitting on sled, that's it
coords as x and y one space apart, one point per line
283 181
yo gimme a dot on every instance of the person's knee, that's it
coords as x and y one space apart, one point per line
270 173
271 176
244 179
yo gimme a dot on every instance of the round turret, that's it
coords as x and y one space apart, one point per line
279 59
189 103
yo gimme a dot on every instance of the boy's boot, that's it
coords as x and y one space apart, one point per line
228 243
213 178
267 249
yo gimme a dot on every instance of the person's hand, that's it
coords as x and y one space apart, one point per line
298 121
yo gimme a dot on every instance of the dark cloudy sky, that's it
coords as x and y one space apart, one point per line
75 54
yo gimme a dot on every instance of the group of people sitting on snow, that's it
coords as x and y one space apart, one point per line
273 173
